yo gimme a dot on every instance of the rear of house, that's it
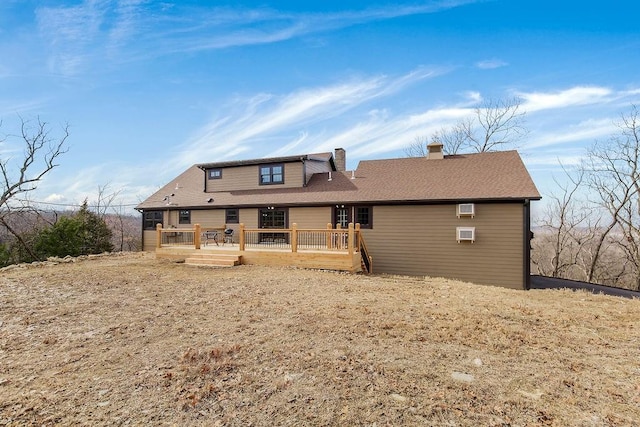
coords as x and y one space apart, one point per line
464 217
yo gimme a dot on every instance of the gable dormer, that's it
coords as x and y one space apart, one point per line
265 174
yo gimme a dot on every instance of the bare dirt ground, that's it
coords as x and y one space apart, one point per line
130 340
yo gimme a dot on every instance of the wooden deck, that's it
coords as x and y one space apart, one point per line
331 249
330 260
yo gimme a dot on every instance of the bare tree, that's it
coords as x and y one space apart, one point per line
21 176
492 126
495 124
106 198
125 228
572 242
614 169
556 249
418 148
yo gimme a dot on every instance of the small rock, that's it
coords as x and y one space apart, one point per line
292 377
477 361
397 397
101 404
460 376
536 395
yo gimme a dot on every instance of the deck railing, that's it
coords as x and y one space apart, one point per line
289 239
177 236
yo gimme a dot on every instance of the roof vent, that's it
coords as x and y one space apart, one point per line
435 151
353 174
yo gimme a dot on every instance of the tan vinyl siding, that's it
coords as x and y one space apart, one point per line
171 219
248 178
149 238
317 217
249 217
210 218
314 166
421 240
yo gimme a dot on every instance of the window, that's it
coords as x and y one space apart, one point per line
150 219
231 216
184 217
215 173
364 216
344 214
271 174
273 218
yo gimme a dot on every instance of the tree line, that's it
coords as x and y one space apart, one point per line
30 234
590 229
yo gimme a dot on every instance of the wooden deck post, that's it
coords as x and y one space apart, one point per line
350 239
329 227
294 237
357 242
241 239
196 236
158 236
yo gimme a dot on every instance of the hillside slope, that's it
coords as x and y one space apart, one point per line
134 340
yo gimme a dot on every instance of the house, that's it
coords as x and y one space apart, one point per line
461 216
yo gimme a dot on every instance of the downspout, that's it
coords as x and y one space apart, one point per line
304 172
204 184
141 230
526 234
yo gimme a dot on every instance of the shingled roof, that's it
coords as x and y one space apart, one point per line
327 157
493 176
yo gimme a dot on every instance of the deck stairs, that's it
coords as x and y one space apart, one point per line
366 262
214 260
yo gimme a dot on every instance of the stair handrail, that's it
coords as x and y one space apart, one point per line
364 251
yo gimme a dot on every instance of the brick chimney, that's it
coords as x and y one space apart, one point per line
434 151
340 159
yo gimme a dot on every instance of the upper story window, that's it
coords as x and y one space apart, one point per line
215 173
184 217
150 219
272 174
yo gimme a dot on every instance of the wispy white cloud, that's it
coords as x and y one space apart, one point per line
83 35
128 15
489 64
265 116
584 131
290 147
356 115
70 31
575 96
216 28
9 108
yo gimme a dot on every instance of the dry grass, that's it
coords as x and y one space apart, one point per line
133 340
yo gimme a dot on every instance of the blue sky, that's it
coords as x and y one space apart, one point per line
152 87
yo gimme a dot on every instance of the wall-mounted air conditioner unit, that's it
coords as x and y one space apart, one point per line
466 234
466 209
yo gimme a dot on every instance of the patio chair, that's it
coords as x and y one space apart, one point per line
228 235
